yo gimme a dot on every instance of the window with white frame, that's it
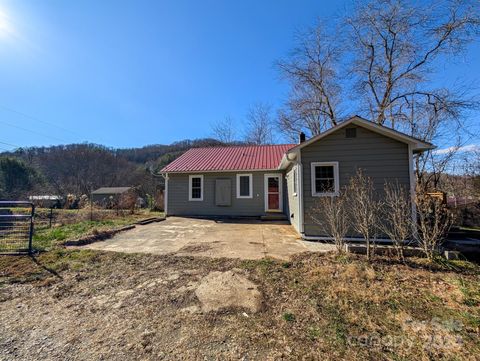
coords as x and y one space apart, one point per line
195 188
325 180
244 186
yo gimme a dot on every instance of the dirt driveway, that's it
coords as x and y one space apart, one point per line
212 238
71 304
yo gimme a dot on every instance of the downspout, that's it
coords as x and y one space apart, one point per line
300 193
298 170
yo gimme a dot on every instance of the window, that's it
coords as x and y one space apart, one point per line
325 179
195 186
244 186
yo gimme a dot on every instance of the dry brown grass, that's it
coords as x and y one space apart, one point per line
315 307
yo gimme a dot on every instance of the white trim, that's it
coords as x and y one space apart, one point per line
336 180
300 192
190 187
250 185
165 196
280 191
287 159
295 180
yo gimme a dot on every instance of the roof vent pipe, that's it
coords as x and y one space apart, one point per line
301 138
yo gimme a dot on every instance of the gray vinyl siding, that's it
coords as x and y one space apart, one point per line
381 158
179 205
293 213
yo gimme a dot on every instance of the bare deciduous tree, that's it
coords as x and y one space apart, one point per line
331 215
259 129
312 71
397 43
397 222
224 130
434 222
382 58
364 209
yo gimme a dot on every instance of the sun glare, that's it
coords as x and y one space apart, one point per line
6 28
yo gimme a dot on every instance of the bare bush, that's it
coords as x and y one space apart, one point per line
331 215
127 200
364 209
434 222
156 202
397 222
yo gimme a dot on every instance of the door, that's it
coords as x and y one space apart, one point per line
223 192
273 192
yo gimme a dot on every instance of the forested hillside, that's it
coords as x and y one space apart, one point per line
79 168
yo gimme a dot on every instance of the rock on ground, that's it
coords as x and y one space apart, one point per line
220 290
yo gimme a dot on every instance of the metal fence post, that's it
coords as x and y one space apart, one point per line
30 235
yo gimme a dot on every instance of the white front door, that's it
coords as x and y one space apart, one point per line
273 193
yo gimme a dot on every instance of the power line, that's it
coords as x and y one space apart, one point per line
33 131
10 144
38 120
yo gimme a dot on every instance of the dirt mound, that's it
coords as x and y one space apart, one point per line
220 290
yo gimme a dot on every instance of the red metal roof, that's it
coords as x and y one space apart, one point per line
254 157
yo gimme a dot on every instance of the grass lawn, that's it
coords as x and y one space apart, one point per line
45 238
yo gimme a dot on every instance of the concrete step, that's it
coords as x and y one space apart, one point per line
274 217
150 220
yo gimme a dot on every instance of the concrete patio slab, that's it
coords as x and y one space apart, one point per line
245 239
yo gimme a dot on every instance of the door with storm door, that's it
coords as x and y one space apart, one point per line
273 193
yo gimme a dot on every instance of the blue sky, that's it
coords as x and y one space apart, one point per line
131 73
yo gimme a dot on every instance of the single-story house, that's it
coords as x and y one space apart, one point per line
288 178
105 195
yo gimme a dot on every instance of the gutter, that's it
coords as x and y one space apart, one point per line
300 194
220 171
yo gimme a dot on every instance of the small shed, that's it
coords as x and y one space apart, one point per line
47 201
107 194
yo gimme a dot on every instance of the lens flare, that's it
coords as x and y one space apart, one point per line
6 27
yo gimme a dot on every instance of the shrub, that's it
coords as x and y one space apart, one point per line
434 222
397 222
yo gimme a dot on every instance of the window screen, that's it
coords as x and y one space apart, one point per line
196 188
324 179
244 186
